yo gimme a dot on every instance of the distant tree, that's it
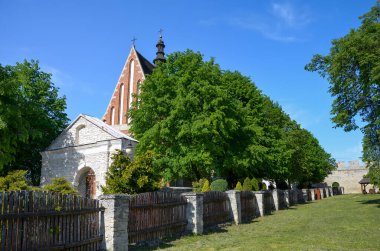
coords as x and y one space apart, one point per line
309 162
353 69
31 116
60 185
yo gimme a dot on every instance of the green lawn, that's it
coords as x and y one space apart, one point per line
346 222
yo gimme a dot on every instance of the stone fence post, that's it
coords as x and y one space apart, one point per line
235 205
305 195
260 202
275 199
114 222
286 198
331 191
312 194
194 212
321 190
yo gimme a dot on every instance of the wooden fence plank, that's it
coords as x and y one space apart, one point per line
48 221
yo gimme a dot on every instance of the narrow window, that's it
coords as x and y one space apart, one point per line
131 76
78 134
112 116
121 114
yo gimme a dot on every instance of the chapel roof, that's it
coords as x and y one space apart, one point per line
107 128
146 66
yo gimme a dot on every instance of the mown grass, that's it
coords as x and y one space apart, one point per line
347 222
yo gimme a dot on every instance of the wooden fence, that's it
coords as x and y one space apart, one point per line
154 215
31 220
215 208
248 202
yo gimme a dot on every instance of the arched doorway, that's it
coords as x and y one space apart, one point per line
86 182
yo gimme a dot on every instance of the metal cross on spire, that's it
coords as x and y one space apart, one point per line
160 31
133 41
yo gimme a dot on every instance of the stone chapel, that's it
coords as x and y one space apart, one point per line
82 152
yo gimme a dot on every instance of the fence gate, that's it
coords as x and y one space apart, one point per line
31 220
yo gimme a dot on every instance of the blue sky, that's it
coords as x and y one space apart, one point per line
84 44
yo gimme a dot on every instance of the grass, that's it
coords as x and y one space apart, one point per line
347 222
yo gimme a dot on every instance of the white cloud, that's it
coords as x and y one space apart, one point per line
280 22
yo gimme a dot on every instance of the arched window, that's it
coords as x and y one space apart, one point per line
121 110
78 134
112 116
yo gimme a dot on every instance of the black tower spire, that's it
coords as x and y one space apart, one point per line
160 54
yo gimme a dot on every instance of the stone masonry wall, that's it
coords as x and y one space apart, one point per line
348 176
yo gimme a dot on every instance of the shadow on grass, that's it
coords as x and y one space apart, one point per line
371 202
166 241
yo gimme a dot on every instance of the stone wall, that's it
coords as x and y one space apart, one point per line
115 217
72 162
348 176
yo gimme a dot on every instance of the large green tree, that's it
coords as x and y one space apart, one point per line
198 118
353 70
31 115
188 118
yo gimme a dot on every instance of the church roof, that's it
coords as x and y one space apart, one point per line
109 129
147 66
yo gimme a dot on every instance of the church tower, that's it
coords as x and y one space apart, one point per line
134 72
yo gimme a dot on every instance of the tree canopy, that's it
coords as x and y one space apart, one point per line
353 70
31 115
198 119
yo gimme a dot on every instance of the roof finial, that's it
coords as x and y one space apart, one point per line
160 54
133 41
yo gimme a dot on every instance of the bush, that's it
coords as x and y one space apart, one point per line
14 181
238 186
335 184
255 184
219 185
206 186
60 185
198 185
126 177
247 185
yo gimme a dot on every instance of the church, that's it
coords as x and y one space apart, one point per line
82 152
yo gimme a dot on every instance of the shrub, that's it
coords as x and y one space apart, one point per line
219 185
206 186
134 177
255 184
335 184
198 185
15 180
60 185
247 185
238 186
